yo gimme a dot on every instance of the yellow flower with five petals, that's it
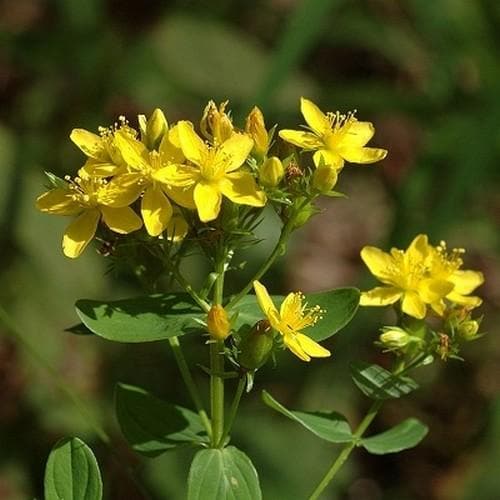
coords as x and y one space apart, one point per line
292 317
92 199
215 172
335 138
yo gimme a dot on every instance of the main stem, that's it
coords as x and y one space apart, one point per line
217 365
346 451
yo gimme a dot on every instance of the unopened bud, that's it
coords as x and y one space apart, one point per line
218 322
256 346
395 338
215 124
324 178
256 129
468 329
271 172
153 129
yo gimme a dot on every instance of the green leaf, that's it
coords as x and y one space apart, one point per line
332 427
223 474
339 304
152 426
405 435
378 383
142 319
72 472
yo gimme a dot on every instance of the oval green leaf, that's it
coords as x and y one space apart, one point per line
405 435
223 474
339 304
378 383
332 427
72 472
152 426
142 319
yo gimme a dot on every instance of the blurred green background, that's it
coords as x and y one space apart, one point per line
426 73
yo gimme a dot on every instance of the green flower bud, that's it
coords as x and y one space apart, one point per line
468 329
395 338
218 322
272 172
324 178
153 130
256 346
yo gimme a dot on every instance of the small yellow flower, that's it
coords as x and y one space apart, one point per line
215 123
104 158
91 199
406 276
143 166
335 138
255 127
215 172
218 323
292 317
420 276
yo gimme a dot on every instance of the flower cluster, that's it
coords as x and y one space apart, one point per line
167 177
425 279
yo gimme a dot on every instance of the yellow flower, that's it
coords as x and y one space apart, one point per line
406 277
420 276
446 265
334 137
215 124
256 129
214 173
144 165
104 159
293 316
91 199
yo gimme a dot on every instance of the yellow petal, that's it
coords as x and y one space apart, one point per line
240 187
413 305
305 140
182 196
328 158
170 147
293 344
362 155
91 144
58 201
121 220
177 228
314 117
418 250
358 134
207 198
433 290
156 210
466 281
380 296
122 190
234 151
80 232
265 303
193 147
312 348
99 168
378 262
133 152
177 175
470 301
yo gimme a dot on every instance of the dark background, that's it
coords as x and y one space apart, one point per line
426 73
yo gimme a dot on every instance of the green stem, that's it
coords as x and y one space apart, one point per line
278 250
234 409
189 382
190 290
217 364
346 451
